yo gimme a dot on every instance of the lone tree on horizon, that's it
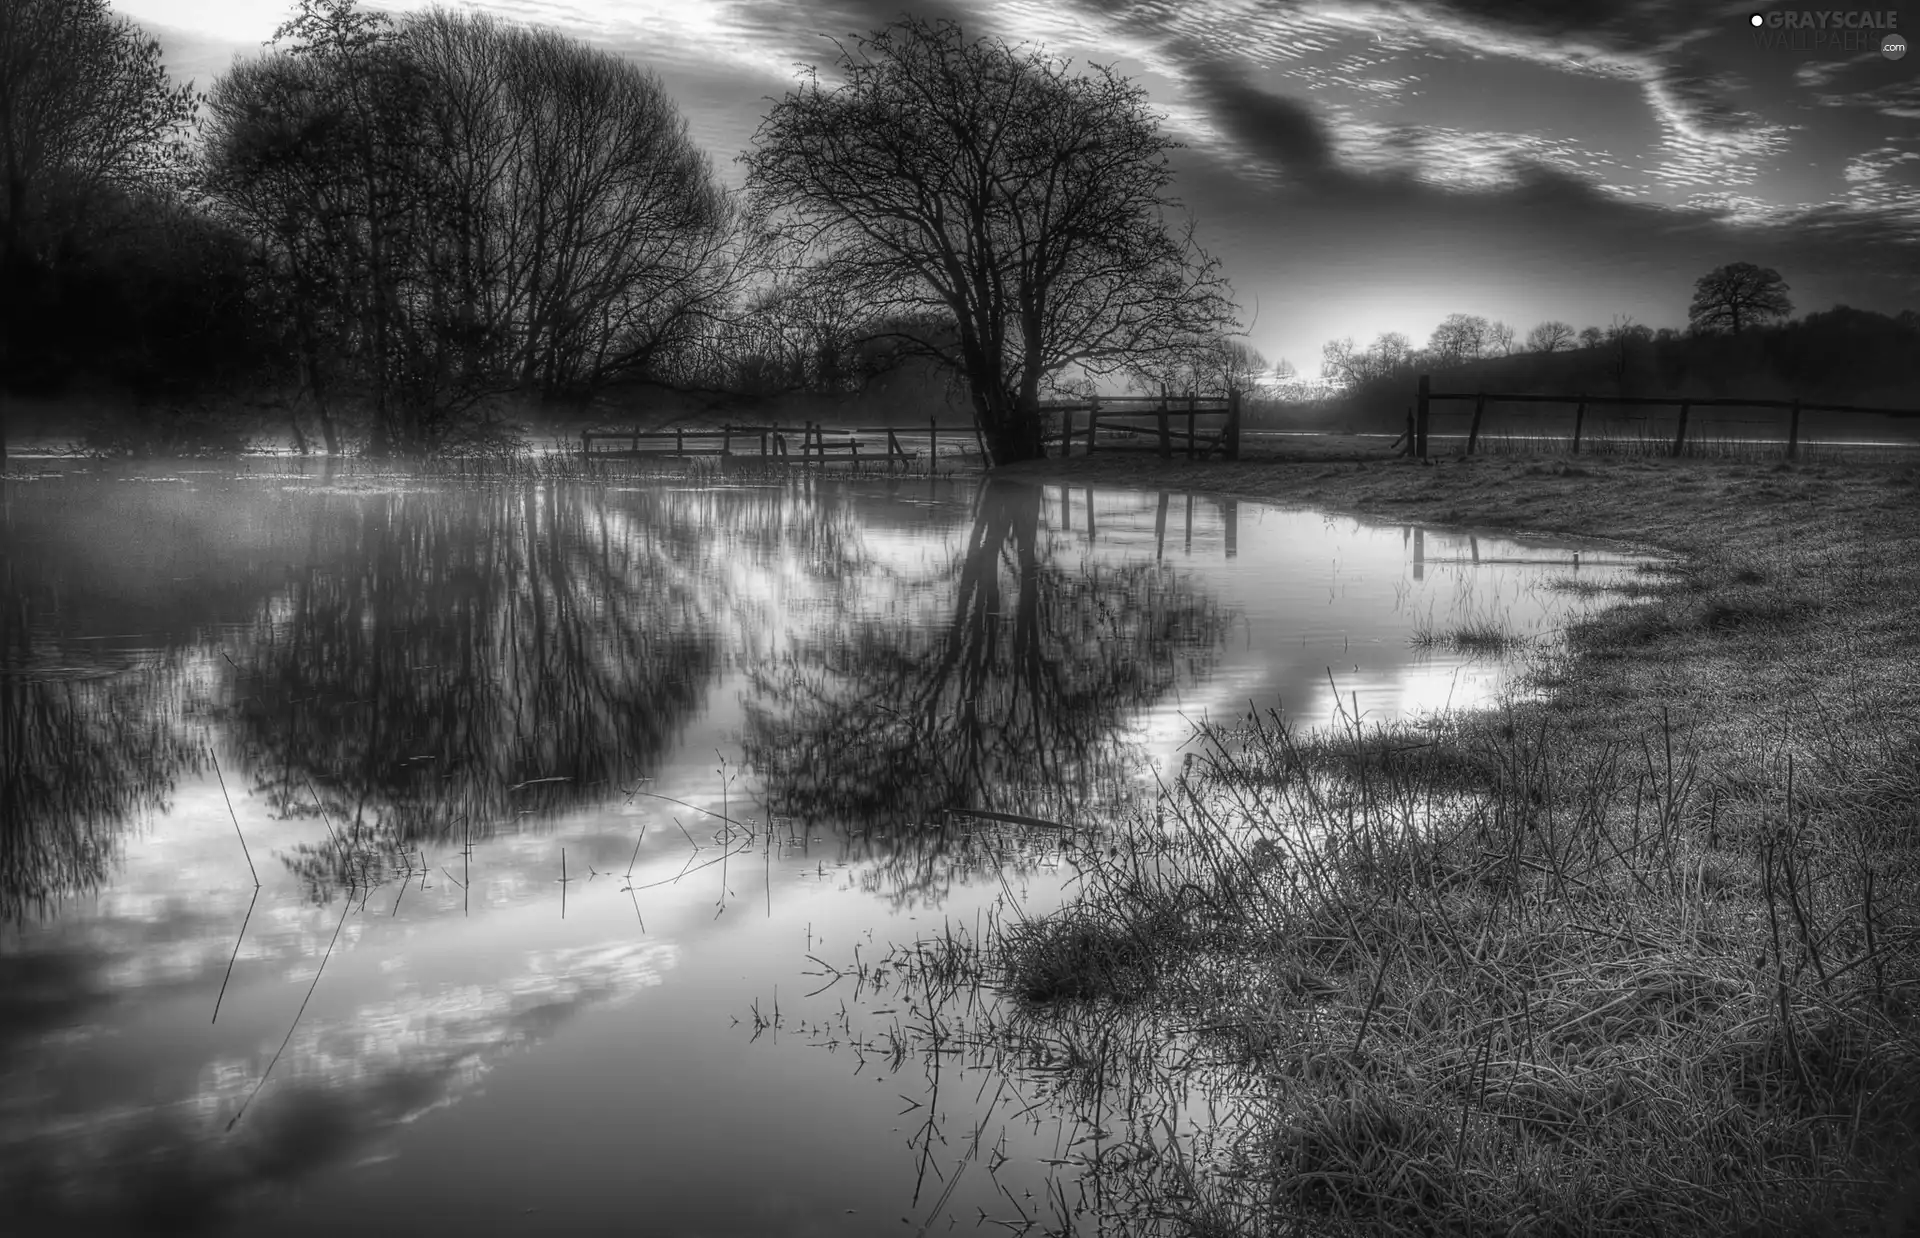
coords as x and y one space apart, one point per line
983 185
1737 295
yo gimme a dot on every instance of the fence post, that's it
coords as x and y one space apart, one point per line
933 442
1093 423
1680 433
1793 431
1579 416
1233 424
726 441
586 443
1408 449
1473 432
679 441
1166 438
1421 418
1066 432
1193 419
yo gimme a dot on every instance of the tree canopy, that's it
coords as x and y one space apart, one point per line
453 207
88 117
992 187
1737 295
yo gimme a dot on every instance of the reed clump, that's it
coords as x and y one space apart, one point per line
1563 1000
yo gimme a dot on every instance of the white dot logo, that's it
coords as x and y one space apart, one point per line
1893 47
1757 20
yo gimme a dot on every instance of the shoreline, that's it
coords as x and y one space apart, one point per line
1733 978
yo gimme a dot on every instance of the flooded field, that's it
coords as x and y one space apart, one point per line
518 856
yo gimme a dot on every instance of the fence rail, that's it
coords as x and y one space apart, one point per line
1419 418
1127 418
812 442
1194 426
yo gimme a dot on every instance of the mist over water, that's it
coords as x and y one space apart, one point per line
550 787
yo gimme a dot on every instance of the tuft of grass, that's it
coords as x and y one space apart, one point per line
1479 637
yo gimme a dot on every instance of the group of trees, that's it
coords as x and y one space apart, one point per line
1725 300
102 262
449 207
1736 343
398 219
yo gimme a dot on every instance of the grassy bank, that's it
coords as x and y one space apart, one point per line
1638 956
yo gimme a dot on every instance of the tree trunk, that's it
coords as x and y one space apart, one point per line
1011 427
1016 438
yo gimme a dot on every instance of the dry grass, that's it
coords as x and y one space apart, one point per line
1638 957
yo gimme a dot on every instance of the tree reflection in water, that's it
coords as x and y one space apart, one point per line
1016 696
435 662
87 743
452 665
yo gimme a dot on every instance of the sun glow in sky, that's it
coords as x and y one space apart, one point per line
1372 166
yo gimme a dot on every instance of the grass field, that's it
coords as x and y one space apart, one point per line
1640 955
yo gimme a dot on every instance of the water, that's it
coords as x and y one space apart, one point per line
555 792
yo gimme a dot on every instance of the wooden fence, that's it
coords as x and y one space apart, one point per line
1420 417
1155 423
1166 425
770 443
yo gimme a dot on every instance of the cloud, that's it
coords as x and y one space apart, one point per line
114 1165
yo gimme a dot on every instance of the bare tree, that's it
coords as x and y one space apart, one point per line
1342 363
991 186
456 208
1461 337
1624 335
1500 339
1737 295
1212 366
1550 336
85 107
607 248
1592 337
1390 352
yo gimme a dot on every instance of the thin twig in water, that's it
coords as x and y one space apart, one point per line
236 953
345 907
235 816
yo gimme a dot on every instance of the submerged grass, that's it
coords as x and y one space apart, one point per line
1635 955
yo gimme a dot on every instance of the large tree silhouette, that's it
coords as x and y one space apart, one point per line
990 186
452 208
1737 295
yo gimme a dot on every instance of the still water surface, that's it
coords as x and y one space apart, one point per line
554 791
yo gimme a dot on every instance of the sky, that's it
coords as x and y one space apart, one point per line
1367 167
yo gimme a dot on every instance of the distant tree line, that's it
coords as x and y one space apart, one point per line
396 221
1738 332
